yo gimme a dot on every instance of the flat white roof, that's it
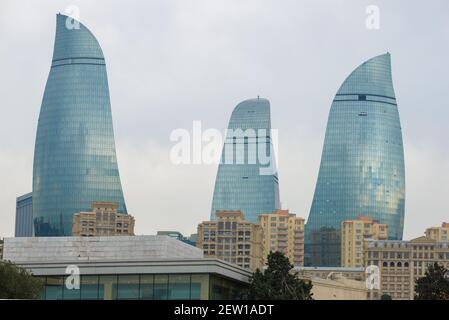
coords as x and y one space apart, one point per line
79 249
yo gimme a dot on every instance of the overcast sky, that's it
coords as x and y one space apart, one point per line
172 62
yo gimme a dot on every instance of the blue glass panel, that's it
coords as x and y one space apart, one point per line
89 287
178 287
53 289
160 287
146 286
128 287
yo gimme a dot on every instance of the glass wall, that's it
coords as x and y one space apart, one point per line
75 161
222 289
144 287
244 179
362 169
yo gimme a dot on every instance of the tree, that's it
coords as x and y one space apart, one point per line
17 282
278 282
434 285
385 297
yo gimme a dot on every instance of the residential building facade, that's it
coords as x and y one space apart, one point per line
353 234
439 233
284 232
233 239
103 220
362 165
75 160
401 263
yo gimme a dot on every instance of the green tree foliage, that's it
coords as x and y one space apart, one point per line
434 285
17 283
278 282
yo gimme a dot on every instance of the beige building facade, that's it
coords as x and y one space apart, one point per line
104 220
353 234
283 231
400 263
338 288
439 233
233 239
336 283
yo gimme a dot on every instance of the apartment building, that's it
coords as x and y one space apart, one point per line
233 239
400 263
104 220
353 233
439 233
283 231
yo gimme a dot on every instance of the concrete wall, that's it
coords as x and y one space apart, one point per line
341 289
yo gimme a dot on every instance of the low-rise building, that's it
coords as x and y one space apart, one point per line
283 231
401 263
439 233
231 238
132 268
103 220
353 234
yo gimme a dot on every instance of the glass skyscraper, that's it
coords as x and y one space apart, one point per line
24 216
362 165
247 178
74 161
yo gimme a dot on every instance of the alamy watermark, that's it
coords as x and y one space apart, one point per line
72 282
372 21
372 280
73 17
241 146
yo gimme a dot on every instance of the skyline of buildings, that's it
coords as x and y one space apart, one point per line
249 114
74 159
362 165
361 172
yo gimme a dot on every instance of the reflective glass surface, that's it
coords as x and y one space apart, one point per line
362 165
75 160
143 287
243 180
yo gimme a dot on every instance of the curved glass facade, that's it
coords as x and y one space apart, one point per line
247 178
74 160
362 165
